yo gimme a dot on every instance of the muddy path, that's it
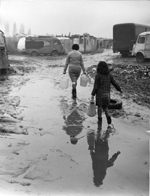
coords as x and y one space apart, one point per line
38 121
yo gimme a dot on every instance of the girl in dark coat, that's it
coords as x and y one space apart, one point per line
101 89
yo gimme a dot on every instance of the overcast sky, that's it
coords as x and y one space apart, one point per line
77 17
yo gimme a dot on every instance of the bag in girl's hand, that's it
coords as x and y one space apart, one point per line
91 110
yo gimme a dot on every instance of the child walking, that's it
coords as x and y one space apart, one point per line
101 89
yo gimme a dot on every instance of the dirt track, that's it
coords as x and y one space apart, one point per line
38 118
132 76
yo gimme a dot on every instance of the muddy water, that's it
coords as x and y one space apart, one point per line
45 162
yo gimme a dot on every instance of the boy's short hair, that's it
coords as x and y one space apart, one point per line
75 47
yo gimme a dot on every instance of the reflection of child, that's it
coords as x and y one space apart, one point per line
91 139
100 159
101 89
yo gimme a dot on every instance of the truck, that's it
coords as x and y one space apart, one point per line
141 49
125 36
4 62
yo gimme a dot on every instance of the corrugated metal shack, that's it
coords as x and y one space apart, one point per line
86 42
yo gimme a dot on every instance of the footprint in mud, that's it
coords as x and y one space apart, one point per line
13 129
15 101
22 144
39 173
6 119
9 112
9 109
21 183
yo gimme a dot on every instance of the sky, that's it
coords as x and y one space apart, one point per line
75 16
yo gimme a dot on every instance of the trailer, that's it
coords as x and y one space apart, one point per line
125 36
46 45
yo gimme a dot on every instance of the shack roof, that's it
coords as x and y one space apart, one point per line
41 38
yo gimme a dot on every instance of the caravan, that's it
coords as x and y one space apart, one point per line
141 49
46 45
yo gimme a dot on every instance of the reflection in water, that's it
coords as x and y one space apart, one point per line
98 146
73 121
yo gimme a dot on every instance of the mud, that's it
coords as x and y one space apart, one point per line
49 146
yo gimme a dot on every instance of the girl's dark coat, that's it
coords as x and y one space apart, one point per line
101 89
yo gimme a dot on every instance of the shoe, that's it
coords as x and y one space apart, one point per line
108 119
110 127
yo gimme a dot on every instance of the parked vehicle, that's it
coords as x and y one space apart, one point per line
46 45
4 63
125 36
142 47
21 45
66 44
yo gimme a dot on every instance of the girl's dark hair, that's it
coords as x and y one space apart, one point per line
102 68
75 47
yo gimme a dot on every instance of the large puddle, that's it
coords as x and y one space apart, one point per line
62 153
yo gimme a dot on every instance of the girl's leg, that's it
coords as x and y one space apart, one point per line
100 115
99 121
107 115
